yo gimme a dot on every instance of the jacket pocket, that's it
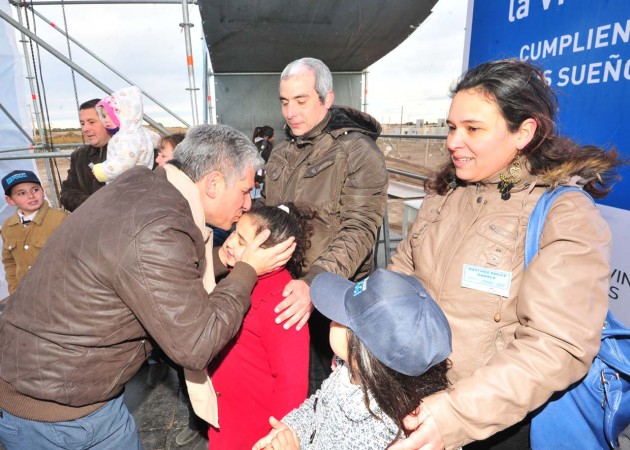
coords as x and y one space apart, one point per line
273 171
497 243
274 168
39 243
427 217
9 246
115 383
317 167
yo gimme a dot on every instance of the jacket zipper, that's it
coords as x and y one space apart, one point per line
133 356
502 232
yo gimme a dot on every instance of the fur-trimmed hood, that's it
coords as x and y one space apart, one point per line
340 120
579 171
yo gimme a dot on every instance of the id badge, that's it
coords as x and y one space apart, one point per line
487 280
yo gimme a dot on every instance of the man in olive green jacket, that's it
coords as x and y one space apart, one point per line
331 164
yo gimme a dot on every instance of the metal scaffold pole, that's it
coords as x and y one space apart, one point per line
186 25
365 90
95 56
206 89
36 110
17 125
72 64
31 78
93 2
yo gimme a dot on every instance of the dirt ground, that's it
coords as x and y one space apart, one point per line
417 156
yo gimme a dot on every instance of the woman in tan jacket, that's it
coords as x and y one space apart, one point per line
518 336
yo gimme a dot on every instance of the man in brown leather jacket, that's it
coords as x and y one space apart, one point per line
129 264
330 163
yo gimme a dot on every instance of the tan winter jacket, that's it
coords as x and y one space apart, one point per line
509 354
22 243
337 170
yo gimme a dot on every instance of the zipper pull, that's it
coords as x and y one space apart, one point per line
497 316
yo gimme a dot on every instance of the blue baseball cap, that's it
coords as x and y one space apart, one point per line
17 177
392 314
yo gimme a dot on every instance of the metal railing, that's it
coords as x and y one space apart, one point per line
45 155
385 240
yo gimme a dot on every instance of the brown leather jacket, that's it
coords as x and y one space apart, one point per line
125 266
509 354
337 170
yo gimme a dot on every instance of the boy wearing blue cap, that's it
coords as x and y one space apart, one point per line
391 342
26 231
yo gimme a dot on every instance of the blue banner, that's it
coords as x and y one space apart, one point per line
584 48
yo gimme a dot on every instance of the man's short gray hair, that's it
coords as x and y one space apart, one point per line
323 77
208 148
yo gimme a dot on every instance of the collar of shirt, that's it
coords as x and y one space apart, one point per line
26 219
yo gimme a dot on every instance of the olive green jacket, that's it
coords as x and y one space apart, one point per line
337 170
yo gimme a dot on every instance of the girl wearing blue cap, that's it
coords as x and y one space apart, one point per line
391 342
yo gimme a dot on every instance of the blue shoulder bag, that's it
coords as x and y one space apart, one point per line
591 413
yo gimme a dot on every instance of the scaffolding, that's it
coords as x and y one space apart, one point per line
28 37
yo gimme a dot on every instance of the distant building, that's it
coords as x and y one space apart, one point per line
422 127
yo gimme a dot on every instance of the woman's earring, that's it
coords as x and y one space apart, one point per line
452 180
511 179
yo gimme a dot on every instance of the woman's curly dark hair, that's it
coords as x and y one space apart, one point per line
296 223
521 91
397 394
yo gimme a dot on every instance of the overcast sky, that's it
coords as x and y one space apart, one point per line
145 43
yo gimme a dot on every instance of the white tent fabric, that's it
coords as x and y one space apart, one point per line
13 95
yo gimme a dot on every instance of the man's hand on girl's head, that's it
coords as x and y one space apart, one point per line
265 260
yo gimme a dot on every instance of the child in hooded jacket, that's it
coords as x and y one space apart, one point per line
121 114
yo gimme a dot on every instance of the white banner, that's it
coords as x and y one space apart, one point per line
584 48
619 291
12 93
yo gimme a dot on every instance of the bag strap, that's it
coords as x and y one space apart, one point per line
613 328
538 217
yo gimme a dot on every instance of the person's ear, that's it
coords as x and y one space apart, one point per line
9 200
526 133
214 184
329 100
